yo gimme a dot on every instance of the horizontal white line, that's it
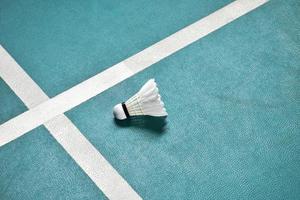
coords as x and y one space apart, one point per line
123 70
66 133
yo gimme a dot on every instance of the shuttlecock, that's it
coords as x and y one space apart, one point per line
147 101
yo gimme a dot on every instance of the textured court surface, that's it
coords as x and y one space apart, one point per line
232 98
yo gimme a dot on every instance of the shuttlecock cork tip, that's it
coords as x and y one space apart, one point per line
119 112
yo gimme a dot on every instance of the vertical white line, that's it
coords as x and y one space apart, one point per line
89 159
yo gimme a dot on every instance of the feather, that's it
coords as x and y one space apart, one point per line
146 101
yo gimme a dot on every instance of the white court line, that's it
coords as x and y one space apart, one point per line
65 132
78 94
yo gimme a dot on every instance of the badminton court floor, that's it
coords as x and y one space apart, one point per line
228 72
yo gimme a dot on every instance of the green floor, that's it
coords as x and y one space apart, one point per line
10 104
232 98
35 166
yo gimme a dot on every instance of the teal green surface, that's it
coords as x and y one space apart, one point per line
233 124
36 167
62 43
10 104
232 98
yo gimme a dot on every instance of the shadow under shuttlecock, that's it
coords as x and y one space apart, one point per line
155 124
